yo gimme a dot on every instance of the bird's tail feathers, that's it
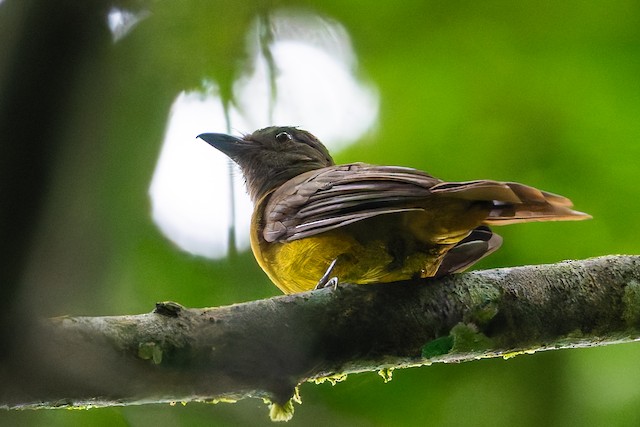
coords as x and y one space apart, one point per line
512 202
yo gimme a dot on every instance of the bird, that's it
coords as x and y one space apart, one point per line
316 222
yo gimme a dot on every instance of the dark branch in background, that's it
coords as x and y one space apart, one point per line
266 348
45 46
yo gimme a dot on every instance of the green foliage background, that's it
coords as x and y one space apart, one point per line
545 93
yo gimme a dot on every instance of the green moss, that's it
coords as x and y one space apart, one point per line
467 339
283 412
333 379
631 301
463 338
437 347
386 374
296 396
484 300
512 354
76 408
278 412
150 351
222 400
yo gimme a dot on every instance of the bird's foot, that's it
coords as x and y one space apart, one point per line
327 280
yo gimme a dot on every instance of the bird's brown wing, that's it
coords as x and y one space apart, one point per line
328 198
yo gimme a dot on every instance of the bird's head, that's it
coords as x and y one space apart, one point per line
271 156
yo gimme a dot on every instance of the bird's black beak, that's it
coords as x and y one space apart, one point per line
228 144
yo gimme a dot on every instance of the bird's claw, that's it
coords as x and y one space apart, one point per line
333 283
327 280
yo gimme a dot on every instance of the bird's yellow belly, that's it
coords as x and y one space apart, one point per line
297 266
385 248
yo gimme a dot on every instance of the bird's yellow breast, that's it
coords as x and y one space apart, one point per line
386 248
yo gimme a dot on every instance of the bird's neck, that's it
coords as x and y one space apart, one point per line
262 182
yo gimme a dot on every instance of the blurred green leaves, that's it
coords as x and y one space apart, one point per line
545 93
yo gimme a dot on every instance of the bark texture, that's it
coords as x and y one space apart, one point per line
266 348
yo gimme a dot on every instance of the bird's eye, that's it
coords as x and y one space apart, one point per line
283 137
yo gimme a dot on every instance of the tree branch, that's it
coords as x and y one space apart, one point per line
266 348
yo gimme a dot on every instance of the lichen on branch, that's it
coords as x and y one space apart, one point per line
266 348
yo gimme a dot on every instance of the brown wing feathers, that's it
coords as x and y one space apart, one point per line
335 196
513 202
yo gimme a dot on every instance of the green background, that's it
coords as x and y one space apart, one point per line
545 93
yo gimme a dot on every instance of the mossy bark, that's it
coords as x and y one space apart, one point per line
266 348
